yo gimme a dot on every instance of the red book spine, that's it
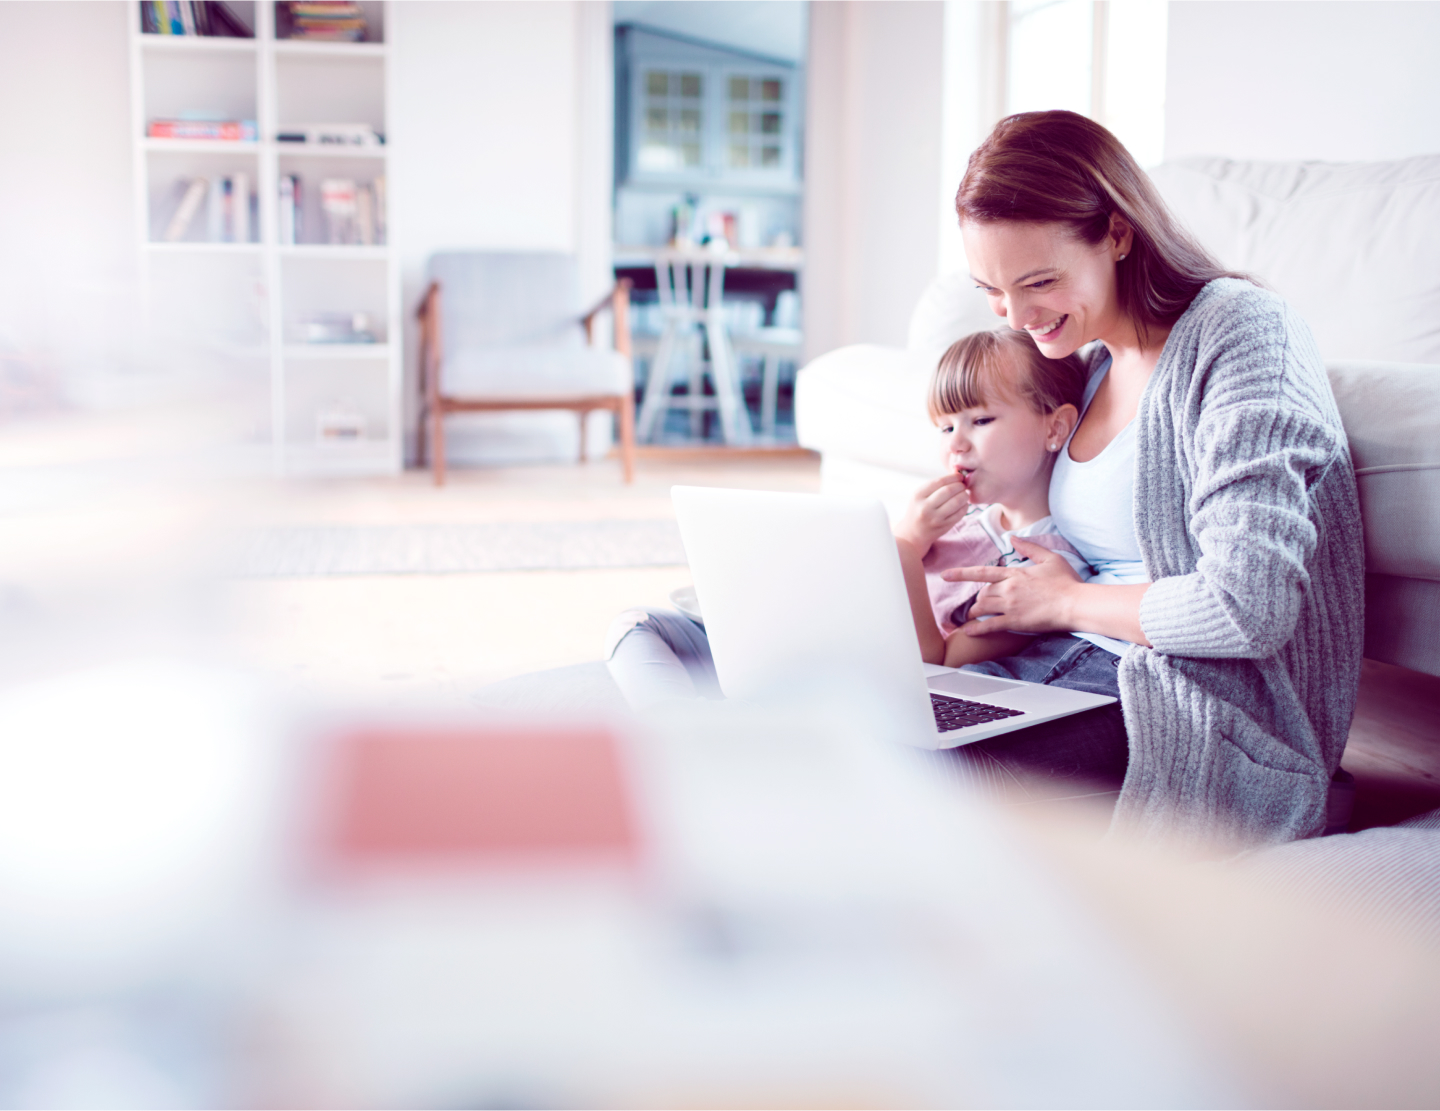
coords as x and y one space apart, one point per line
232 130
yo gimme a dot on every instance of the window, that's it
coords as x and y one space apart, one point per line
673 105
756 122
703 121
1103 59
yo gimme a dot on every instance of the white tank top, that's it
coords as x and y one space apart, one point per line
1093 506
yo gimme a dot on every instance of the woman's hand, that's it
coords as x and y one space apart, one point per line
1035 597
1046 596
933 511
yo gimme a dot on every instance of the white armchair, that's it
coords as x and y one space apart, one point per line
501 331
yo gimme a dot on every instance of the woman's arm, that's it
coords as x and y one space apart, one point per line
932 642
1255 464
1046 596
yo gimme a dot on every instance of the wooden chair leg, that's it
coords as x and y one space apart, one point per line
437 462
421 439
627 437
584 415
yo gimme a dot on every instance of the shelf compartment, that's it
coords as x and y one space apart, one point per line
334 391
217 301
313 286
372 10
171 168
221 84
312 171
330 87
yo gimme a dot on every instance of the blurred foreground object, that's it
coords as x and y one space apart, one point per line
214 903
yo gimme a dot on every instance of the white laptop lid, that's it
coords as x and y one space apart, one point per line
784 614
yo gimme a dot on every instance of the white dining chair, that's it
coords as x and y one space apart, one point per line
691 289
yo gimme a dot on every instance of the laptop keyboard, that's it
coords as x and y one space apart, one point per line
957 713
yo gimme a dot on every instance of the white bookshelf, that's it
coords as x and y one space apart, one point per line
236 310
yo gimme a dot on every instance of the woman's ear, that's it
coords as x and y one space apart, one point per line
1122 235
1059 426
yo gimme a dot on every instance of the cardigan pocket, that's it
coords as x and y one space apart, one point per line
1261 788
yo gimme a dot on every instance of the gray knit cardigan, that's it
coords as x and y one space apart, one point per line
1249 524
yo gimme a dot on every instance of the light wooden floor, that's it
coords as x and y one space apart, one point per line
401 635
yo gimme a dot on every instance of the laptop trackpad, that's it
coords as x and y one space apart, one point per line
967 685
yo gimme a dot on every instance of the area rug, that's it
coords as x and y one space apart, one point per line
456 549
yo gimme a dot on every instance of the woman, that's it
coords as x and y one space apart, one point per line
1208 482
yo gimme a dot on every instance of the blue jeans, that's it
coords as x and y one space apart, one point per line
655 654
1083 754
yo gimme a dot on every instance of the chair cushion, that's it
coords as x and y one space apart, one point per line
1353 246
534 373
507 299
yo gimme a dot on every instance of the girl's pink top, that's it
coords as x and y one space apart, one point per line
977 540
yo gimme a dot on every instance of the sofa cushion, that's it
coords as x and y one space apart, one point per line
951 306
1353 246
867 403
1390 414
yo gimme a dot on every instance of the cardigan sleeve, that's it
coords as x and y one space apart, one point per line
1258 446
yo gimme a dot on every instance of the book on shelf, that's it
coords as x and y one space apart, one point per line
332 135
340 422
208 18
229 204
381 230
322 21
237 131
215 212
290 223
354 213
240 208
189 205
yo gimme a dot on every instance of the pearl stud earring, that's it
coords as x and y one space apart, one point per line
1120 259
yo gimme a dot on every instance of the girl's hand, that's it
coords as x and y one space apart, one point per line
933 511
1035 597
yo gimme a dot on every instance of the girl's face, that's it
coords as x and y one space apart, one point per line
1003 449
1046 281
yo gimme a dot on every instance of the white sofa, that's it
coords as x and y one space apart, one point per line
1354 247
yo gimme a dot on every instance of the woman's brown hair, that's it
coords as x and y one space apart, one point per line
976 368
1062 168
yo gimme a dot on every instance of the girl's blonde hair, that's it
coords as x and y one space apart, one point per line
1006 363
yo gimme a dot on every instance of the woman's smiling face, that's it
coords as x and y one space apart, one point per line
1047 281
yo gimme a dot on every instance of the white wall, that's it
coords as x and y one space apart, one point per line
67 242
873 160
1334 80
501 125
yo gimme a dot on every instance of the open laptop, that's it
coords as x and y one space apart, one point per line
805 591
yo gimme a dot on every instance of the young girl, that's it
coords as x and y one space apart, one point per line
1005 411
